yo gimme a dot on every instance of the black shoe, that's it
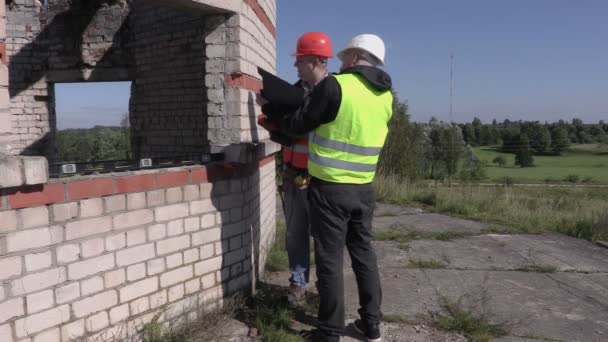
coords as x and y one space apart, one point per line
370 331
317 335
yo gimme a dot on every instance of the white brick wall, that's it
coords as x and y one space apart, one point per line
78 268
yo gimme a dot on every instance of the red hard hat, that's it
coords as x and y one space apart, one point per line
314 44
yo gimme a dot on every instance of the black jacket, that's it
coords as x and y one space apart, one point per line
275 112
324 101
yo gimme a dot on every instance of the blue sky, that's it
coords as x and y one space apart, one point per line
532 60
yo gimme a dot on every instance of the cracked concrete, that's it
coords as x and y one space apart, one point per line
538 287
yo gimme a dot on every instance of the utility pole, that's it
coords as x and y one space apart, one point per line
451 84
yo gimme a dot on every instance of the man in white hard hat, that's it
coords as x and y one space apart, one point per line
348 117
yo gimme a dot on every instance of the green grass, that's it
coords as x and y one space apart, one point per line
588 162
277 259
578 212
474 327
429 264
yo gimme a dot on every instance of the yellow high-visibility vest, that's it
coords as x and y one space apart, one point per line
346 150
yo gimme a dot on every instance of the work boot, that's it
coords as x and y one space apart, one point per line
317 335
370 331
296 294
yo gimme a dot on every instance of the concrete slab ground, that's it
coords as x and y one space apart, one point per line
536 287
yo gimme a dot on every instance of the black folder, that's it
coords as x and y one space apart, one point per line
280 92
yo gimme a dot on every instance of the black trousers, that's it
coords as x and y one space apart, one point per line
341 215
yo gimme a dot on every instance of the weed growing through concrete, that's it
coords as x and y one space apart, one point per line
463 321
404 237
277 259
430 264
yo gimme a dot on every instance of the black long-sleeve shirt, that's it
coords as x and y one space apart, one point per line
324 101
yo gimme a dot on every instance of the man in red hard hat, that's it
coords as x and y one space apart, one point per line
312 52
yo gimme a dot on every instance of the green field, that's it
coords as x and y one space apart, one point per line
588 162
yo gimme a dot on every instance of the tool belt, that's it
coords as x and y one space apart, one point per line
300 177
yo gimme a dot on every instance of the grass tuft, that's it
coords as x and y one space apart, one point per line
430 264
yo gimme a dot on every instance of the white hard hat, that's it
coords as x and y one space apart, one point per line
367 42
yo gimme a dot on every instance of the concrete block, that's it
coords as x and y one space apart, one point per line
202 206
32 217
176 293
174 195
207 251
67 293
97 322
133 219
95 303
38 281
190 255
11 170
208 281
208 221
157 232
136 272
115 203
172 245
171 212
114 278
68 253
156 266
175 227
72 331
192 224
41 321
208 266
138 289
10 267
119 313
192 286
136 237
91 285
155 198
11 308
92 247
83 269
6 333
53 335
36 170
38 261
136 201
91 207
39 301
84 228
135 254
64 211
116 241
158 299
191 192
206 236
9 221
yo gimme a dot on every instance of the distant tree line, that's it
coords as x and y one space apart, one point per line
439 150
78 145
543 138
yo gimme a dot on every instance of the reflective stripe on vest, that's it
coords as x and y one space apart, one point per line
347 149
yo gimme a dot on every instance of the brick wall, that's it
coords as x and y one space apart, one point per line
92 256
